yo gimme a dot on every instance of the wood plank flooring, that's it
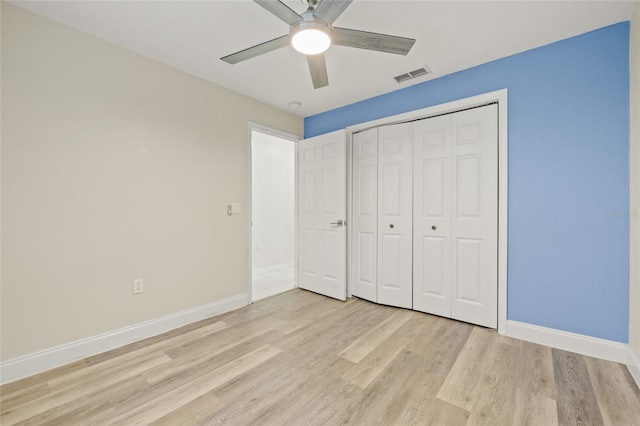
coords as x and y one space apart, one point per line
303 359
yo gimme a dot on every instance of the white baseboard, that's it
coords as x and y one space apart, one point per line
633 363
578 343
47 359
272 268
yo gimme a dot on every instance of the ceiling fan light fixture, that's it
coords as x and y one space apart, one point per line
312 32
310 38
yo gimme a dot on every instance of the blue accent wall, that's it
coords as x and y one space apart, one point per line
568 254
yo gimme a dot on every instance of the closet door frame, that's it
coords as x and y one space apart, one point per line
499 97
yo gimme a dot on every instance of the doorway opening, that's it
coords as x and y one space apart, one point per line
273 214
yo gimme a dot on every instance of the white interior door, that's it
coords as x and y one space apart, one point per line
395 191
474 226
365 215
432 216
322 214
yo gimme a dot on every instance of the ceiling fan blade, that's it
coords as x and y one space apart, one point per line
329 10
318 70
372 41
257 50
281 10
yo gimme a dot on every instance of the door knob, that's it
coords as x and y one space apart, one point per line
391 226
340 223
433 227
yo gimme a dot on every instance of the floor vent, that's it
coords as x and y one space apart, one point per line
411 75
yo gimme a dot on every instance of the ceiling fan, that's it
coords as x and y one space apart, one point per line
312 33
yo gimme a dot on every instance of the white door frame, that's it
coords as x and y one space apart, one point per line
499 96
251 126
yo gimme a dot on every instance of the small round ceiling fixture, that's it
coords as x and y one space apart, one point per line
295 104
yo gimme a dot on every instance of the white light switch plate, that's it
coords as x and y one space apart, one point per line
138 286
233 208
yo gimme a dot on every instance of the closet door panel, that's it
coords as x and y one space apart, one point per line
395 183
474 225
435 278
365 215
432 216
391 252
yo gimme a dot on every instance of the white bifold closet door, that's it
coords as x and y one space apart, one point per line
395 191
382 209
456 216
432 216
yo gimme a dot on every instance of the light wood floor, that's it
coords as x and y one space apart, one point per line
299 358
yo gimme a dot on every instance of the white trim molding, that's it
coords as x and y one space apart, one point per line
578 343
633 363
47 359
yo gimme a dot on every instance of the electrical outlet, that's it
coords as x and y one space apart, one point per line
138 286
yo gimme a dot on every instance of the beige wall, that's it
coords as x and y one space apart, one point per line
114 167
634 296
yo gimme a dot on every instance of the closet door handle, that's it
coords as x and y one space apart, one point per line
391 226
433 227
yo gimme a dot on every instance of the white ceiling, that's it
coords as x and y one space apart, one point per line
451 36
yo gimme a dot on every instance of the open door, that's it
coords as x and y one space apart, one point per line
322 215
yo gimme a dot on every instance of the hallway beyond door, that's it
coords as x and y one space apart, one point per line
273 281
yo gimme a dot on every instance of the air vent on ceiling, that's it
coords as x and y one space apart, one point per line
418 72
411 74
403 77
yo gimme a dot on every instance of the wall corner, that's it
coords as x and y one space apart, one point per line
634 190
